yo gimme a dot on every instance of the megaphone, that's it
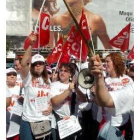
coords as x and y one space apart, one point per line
85 79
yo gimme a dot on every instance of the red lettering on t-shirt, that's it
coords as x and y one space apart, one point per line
125 81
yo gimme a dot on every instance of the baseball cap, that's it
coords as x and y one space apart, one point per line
9 70
37 57
49 69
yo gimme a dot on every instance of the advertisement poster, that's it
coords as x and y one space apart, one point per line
105 19
115 15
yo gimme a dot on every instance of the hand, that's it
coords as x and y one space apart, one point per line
95 66
33 39
47 111
71 86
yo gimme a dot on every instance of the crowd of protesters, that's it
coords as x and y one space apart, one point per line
48 103
38 93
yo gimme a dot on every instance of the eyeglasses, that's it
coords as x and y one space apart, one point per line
9 74
64 70
38 63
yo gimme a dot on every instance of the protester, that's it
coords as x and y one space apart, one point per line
37 105
14 111
89 113
118 102
61 97
18 68
96 23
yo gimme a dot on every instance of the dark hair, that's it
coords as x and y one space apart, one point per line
19 59
118 63
74 66
44 74
69 67
50 4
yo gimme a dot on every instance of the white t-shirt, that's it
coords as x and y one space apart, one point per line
110 114
19 80
8 93
96 110
36 99
13 120
63 109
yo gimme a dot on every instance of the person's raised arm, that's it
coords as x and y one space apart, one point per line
103 97
26 57
102 32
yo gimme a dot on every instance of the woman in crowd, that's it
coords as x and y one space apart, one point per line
14 110
96 23
37 105
61 96
116 100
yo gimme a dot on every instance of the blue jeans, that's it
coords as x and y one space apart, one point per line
109 132
25 131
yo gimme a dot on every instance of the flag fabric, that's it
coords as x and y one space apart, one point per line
84 26
121 41
73 42
43 33
131 54
56 52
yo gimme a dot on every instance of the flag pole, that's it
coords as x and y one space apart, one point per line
58 61
80 55
38 22
39 16
90 35
77 25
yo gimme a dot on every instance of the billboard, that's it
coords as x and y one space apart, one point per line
116 14
105 18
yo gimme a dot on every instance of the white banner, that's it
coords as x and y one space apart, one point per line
18 17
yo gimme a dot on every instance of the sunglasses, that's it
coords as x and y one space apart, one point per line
38 63
10 74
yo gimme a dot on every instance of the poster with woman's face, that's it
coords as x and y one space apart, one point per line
105 19
115 15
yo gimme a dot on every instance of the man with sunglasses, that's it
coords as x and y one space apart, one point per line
14 111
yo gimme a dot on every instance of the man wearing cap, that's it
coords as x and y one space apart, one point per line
14 111
37 106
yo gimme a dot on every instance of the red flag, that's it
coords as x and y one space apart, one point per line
84 26
43 33
74 39
121 41
65 57
131 54
55 54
